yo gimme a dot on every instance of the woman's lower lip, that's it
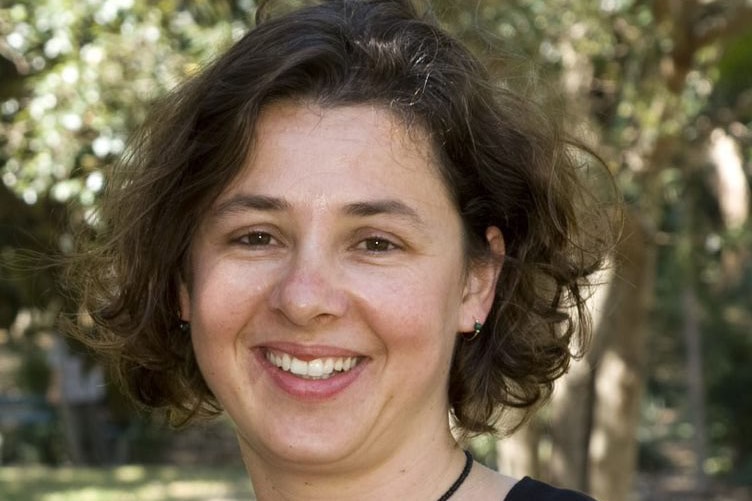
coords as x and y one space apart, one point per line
309 389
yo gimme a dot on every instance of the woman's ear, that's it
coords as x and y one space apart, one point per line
480 287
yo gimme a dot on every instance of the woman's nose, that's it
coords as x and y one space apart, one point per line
308 291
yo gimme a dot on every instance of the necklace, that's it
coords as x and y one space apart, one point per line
457 483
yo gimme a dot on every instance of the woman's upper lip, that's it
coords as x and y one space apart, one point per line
308 351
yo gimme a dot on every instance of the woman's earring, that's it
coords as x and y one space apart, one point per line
185 327
476 330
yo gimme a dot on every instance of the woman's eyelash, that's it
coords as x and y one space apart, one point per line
375 244
379 244
256 239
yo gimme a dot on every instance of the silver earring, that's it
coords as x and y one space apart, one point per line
185 327
476 330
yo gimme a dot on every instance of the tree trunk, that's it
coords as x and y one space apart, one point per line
571 417
571 422
695 384
620 372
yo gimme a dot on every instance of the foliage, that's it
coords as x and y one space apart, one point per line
78 78
75 79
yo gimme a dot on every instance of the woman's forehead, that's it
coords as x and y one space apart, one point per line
338 154
290 131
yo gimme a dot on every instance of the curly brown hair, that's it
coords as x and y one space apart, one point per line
505 162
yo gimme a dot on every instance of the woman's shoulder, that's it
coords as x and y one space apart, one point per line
529 489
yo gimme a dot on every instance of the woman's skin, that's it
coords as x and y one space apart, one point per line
338 255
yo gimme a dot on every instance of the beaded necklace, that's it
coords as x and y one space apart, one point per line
457 483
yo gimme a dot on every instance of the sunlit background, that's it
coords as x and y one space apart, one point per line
660 408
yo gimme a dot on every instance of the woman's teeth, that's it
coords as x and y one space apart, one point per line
319 368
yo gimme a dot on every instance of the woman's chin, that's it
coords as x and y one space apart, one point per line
309 453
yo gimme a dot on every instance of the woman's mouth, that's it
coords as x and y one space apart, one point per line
318 368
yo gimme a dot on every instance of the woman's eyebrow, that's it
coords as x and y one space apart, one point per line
386 206
244 202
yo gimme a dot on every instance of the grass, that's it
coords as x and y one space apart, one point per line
124 483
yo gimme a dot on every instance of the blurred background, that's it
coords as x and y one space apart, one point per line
661 406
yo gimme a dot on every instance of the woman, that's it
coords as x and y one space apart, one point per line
341 233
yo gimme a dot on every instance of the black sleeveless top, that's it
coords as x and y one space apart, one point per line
528 489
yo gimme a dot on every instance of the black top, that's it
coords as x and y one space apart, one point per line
528 489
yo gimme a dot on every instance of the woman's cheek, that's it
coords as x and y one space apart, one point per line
403 302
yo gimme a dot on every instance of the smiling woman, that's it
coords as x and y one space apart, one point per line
342 234
357 262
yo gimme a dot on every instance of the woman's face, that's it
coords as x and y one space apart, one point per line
328 288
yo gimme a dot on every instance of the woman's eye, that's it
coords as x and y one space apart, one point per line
256 239
378 244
